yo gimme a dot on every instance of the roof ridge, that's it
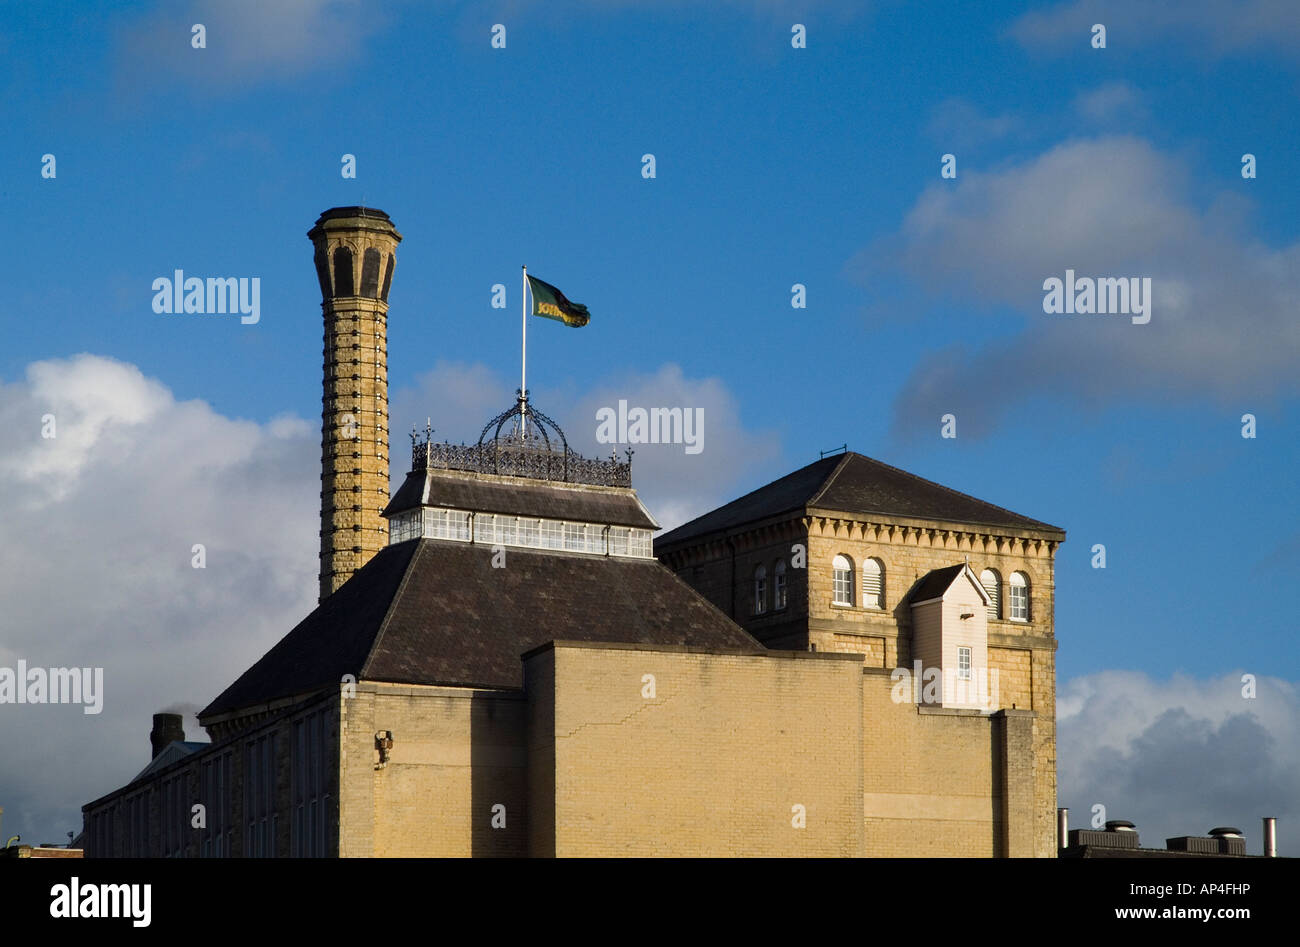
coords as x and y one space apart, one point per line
826 484
388 610
746 496
947 489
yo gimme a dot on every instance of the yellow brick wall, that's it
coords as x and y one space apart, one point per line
457 752
871 648
1015 677
1025 651
928 784
713 764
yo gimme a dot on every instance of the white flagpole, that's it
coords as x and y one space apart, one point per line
523 362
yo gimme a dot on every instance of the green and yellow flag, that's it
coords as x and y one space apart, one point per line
551 303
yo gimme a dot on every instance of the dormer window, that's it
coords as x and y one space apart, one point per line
950 634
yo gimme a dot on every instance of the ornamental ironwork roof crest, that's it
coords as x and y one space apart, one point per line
521 442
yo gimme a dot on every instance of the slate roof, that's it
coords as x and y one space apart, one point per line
432 611
176 750
938 581
543 499
934 583
854 483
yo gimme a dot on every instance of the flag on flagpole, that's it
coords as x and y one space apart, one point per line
553 304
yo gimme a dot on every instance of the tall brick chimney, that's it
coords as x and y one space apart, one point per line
355 256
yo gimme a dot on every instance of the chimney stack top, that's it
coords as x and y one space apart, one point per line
167 729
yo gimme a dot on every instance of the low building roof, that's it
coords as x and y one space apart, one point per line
433 611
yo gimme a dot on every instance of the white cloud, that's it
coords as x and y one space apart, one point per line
1113 101
96 568
675 485
1206 26
1181 756
248 41
1222 322
957 124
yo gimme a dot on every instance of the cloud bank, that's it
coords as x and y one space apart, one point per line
1222 325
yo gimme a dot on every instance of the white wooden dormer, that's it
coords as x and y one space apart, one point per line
950 632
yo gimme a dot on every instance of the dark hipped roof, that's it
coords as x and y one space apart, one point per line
436 612
853 483
543 499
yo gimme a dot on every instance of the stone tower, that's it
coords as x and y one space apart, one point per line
355 256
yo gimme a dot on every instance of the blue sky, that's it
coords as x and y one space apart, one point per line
774 166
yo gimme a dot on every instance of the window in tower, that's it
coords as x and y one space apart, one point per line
323 273
842 581
873 584
992 583
1019 597
343 272
370 273
388 279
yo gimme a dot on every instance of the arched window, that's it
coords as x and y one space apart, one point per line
873 584
323 274
388 279
842 580
778 577
1019 597
343 272
760 590
992 583
370 273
